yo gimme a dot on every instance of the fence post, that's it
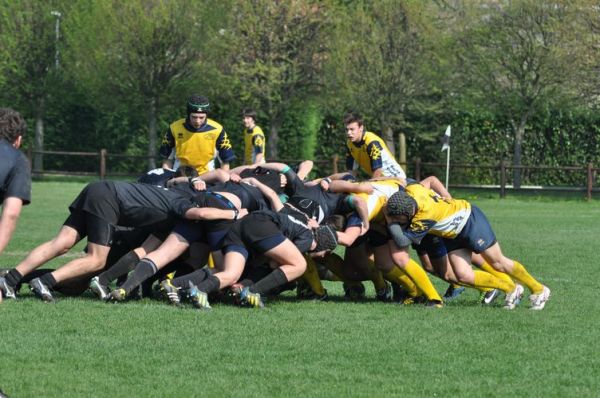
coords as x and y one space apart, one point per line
590 180
334 163
502 179
418 169
102 164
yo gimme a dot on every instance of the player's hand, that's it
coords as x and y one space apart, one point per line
199 185
312 223
242 213
233 177
364 228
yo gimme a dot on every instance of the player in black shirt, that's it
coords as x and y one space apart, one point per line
99 208
15 183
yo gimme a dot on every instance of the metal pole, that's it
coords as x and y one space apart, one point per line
57 30
448 168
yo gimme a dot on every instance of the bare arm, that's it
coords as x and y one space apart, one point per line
434 183
360 206
11 209
340 176
304 169
212 213
271 195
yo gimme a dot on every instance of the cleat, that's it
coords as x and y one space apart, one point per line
98 289
6 290
434 304
400 294
513 298
250 299
453 292
170 292
354 291
117 295
538 301
487 298
304 292
40 290
198 298
386 294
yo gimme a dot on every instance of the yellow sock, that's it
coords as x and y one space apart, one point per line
485 279
311 276
500 275
211 261
420 278
520 273
398 276
375 276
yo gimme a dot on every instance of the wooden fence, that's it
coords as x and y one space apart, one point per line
98 165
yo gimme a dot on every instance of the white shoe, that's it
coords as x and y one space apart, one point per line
538 301
514 298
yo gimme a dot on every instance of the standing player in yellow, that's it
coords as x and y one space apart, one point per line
254 139
417 211
366 150
196 140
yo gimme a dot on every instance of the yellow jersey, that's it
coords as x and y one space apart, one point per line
254 140
371 154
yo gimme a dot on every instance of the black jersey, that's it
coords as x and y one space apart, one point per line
15 175
250 196
293 226
158 177
313 200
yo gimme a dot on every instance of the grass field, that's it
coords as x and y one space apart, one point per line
82 347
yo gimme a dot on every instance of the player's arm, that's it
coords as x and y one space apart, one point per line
304 168
213 213
226 154
434 183
257 144
374 150
166 149
271 195
360 206
11 209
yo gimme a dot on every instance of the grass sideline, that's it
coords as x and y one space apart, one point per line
81 347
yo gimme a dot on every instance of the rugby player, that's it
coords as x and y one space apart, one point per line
416 211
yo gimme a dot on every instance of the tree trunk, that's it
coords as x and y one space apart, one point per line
152 148
38 159
274 139
519 131
388 137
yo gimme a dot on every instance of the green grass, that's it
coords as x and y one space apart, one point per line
81 347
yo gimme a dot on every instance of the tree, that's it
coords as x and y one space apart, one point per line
277 55
517 56
141 51
379 61
30 68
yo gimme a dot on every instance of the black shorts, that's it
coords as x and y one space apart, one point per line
100 199
255 232
97 230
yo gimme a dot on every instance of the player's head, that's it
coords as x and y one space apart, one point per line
186 171
354 126
401 207
198 108
249 117
326 240
12 126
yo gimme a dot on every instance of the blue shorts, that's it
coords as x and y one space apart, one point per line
431 245
477 234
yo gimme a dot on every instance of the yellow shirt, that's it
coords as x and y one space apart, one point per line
371 154
254 141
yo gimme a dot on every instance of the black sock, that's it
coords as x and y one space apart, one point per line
274 279
210 285
13 277
48 280
123 266
196 277
143 270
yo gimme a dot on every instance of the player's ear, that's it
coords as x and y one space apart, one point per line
18 141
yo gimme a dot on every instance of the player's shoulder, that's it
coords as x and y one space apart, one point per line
214 124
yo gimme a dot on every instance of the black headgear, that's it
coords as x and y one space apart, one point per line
326 238
198 104
401 204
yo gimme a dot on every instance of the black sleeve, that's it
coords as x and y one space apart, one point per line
294 183
180 205
167 144
18 184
